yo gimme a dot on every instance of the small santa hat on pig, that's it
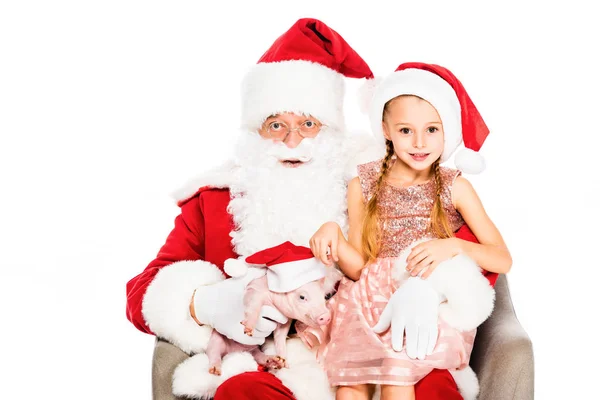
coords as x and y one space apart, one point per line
438 86
288 266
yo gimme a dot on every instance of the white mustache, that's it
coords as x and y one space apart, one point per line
303 152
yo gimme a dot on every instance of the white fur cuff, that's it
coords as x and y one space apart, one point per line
166 303
470 298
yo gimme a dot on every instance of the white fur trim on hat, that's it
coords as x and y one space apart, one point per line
365 93
469 161
431 88
285 277
297 86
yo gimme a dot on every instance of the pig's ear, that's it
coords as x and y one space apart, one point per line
332 276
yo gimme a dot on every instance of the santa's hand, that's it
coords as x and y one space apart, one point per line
412 310
221 305
268 320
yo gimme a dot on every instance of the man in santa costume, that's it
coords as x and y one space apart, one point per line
292 163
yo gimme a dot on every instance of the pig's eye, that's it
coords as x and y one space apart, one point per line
328 296
302 297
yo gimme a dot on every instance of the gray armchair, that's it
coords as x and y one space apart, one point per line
502 357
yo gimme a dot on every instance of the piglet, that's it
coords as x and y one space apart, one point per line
306 304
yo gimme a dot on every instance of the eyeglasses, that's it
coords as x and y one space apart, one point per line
280 131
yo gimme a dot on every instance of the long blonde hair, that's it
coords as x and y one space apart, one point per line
439 226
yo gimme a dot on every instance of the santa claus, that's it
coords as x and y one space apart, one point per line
292 164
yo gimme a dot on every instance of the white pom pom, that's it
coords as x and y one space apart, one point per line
235 268
469 161
366 92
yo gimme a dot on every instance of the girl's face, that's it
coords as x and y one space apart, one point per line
415 128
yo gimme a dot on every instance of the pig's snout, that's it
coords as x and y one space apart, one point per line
324 319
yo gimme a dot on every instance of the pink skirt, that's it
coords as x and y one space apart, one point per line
353 354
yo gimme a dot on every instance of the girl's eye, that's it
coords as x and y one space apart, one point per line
432 129
406 131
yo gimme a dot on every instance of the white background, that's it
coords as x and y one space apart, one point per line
107 106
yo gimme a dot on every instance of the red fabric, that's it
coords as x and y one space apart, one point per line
284 253
465 233
253 386
201 232
311 40
438 385
474 129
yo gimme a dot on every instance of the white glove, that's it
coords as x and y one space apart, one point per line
413 309
221 305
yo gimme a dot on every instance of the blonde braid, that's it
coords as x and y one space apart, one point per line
370 236
440 227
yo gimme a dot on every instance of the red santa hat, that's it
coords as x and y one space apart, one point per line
302 72
288 266
461 121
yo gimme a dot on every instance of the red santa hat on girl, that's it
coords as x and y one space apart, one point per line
461 121
288 266
302 72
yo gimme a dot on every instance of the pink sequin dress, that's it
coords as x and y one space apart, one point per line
350 351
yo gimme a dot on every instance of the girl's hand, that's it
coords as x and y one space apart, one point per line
326 237
429 254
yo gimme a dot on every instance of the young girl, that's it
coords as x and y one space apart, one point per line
423 113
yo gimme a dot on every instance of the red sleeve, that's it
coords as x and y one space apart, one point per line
465 233
185 242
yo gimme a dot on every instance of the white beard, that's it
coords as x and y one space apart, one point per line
271 203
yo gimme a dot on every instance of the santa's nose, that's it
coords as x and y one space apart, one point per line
324 319
293 140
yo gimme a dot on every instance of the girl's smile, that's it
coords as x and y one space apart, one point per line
419 156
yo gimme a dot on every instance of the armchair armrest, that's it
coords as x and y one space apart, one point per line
166 358
502 356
